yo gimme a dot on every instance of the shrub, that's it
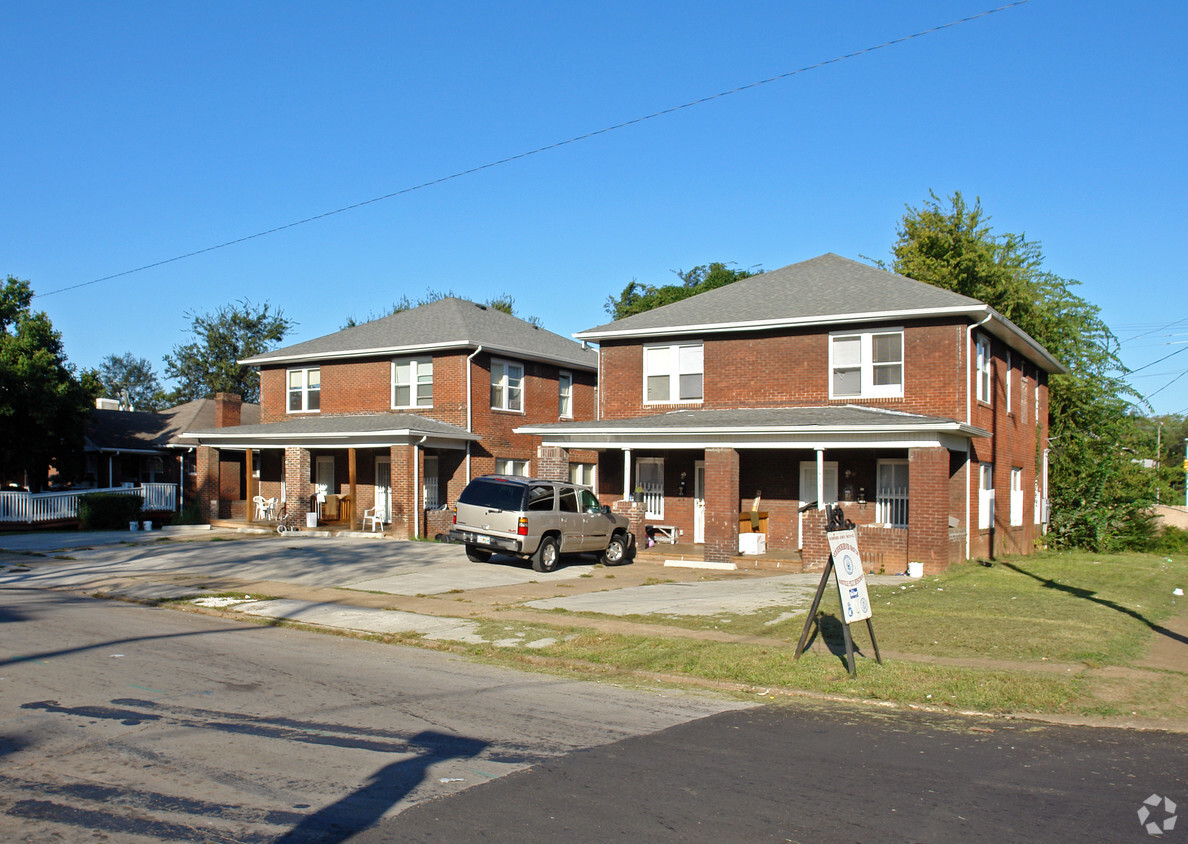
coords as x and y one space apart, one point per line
105 511
1171 540
191 514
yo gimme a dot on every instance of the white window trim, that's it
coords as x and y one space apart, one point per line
509 465
414 364
593 470
982 382
304 389
564 394
1009 391
867 388
506 364
1016 496
674 373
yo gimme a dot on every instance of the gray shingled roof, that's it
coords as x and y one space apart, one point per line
448 323
847 417
825 287
319 426
133 430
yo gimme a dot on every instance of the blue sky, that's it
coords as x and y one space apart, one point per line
136 132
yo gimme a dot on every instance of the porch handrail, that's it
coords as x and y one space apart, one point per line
21 507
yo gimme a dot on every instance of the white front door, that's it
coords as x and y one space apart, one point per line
699 501
808 489
383 487
324 474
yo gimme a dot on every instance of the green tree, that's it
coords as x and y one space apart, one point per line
637 298
132 380
209 363
44 407
1099 493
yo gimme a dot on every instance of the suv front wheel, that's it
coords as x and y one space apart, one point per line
616 551
545 558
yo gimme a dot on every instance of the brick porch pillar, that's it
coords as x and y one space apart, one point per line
928 508
405 509
297 486
206 490
721 504
552 463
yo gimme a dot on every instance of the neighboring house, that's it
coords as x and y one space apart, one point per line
399 413
130 447
923 412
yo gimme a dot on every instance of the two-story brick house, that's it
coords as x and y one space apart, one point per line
922 411
424 399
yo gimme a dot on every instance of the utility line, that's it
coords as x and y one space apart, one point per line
538 150
1147 398
1161 360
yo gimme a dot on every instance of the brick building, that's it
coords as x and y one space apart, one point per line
399 413
923 412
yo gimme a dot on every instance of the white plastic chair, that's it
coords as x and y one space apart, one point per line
261 506
373 516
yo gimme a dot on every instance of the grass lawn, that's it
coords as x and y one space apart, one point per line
1006 625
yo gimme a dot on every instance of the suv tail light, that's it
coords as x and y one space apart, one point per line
455 517
522 526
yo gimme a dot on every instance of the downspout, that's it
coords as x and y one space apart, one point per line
969 421
418 498
470 408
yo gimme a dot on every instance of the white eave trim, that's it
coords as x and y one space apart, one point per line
959 428
1006 331
444 346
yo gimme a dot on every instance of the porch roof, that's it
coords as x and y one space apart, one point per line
376 430
837 426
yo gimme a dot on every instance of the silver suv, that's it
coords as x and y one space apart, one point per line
538 520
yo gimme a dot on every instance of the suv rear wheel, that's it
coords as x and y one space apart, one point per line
476 554
545 558
616 551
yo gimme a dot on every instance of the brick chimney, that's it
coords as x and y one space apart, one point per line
228 408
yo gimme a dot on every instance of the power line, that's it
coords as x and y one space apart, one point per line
1153 330
538 150
1161 360
1147 398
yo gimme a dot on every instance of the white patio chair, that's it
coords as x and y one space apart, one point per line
261 506
375 517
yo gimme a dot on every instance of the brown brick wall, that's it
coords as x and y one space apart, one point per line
298 489
721 497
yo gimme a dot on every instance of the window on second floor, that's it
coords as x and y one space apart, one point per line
305 390
982 378
673 373
507 385
565 395
508 466
866 364
412 382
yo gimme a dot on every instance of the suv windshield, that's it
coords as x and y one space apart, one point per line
496 495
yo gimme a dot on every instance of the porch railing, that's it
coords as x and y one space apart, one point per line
891 506
20 507
653 496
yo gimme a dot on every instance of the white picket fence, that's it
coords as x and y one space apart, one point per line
21 507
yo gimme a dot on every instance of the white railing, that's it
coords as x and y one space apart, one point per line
432 501
32 507
653 496
891 507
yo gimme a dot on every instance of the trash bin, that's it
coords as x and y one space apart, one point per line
311 519
915 569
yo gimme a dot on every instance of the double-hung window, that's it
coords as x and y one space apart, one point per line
866 364
305 390
507 466
412 382
673 373
565 395
507 385
1009 376
982 382
1016 496
985 496
581 473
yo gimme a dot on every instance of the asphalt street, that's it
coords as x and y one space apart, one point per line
122 722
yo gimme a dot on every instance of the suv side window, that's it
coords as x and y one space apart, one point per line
589 502
540 497
569 502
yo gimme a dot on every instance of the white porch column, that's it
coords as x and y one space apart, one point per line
626 474
820 479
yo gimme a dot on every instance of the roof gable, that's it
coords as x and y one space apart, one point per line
448 323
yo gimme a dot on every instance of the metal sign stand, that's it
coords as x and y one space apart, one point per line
837 521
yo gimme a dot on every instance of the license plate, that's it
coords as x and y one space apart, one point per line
483 540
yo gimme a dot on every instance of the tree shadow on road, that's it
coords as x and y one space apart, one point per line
386 787
1089 595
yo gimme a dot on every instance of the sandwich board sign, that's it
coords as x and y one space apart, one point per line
845 563
851 580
